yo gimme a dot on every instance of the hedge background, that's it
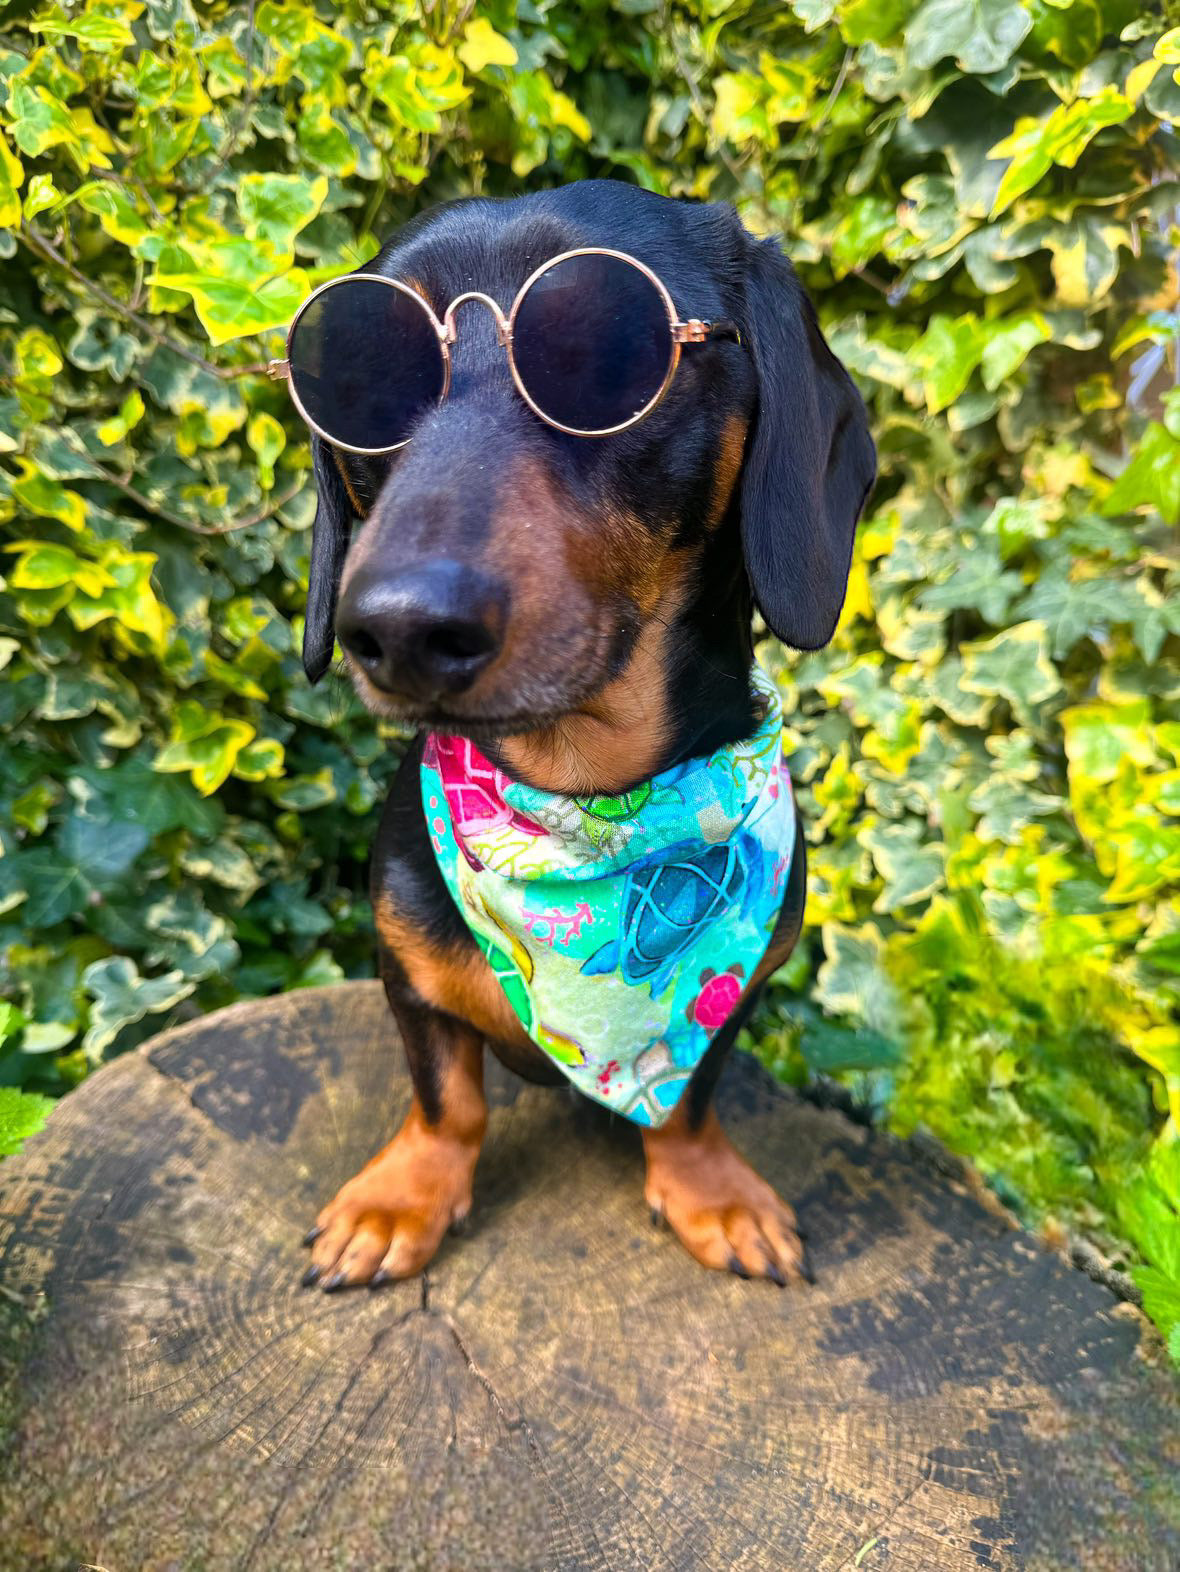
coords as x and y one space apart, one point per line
982 196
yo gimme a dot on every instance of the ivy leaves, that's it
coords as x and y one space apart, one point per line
22 1114
982 35
1035 146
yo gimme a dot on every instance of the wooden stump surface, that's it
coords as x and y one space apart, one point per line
564 1388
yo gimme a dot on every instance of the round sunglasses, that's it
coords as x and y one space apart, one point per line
593 342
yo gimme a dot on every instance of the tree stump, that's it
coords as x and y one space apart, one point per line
564 1388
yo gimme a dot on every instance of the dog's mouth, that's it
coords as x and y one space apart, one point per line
503 707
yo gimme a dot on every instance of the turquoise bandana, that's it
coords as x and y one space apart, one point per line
622 930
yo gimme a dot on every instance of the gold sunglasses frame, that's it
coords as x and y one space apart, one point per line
691 331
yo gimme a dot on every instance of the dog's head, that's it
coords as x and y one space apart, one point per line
505 573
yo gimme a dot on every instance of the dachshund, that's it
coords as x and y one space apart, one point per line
546 517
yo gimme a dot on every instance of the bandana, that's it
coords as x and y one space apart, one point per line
624 929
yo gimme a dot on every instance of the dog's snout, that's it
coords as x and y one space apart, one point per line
425 633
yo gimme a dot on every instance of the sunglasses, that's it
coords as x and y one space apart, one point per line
593 342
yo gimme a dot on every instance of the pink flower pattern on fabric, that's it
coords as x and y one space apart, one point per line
474 789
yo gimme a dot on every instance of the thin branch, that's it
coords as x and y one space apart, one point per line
128 490
694 93
841 75
120 180
123 483
49 253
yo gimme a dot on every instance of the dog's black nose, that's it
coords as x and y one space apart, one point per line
425 633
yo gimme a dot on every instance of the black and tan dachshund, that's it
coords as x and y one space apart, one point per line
581 608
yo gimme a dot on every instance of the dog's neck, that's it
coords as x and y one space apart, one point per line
684 692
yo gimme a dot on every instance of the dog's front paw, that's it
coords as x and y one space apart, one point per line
389 1220
723 1213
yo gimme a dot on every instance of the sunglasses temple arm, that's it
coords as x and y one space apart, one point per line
278 370
694 331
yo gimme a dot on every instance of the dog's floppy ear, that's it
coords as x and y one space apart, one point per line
810 461
329 546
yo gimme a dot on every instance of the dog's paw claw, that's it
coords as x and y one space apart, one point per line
724 1214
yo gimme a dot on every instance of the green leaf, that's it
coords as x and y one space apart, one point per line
947 354
1098 737
22 1114
39 120
11 176
482 46
105 849
1036 145
100 344
1008 343
1073 32
190 938
130 599
274 208
131 412
1147 858
912 872
122 997
861 232
852 980
102 29
981 34
977 581
11 1020
157 803
1085 257
739 110
56 886
325 140
206 744
1161 1297
228 309
874 21
302 793
267 439
224 864
46 498
1152 478
46 567
1015 666
259 760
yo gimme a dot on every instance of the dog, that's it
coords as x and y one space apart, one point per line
563 608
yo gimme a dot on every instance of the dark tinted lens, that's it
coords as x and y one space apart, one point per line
365 363
592 342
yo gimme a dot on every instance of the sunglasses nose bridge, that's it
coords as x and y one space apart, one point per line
450 333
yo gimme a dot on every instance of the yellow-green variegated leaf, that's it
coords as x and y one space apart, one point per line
11 176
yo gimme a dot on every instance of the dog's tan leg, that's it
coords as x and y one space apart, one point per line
389 1220
724 1214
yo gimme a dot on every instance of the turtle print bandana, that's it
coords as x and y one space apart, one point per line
622 930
